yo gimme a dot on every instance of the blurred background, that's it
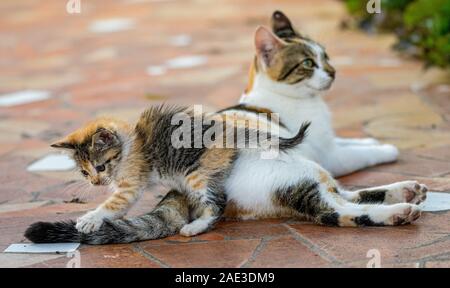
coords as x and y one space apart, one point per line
63 62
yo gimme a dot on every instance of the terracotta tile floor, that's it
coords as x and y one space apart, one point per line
113 58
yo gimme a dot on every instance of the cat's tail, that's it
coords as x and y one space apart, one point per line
287 143
167 219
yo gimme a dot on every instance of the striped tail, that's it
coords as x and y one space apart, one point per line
167 219
288 143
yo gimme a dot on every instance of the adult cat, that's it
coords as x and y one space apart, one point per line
288 76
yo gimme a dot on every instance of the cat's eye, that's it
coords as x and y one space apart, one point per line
308 63
100 168
85 173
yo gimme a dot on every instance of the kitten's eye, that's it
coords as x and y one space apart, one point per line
100 168
85 173
308 63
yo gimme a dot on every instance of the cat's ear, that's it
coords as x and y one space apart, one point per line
104 139
282 26
63 144
267 44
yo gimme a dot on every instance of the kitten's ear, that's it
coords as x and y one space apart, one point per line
266 44
282 26
63 144
104 139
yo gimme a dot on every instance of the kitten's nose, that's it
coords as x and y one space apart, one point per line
95 182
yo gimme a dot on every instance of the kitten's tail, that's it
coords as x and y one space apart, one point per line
167 219
287 143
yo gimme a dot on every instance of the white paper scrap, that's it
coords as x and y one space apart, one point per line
23 97
33 248
111 25
436 202
53 162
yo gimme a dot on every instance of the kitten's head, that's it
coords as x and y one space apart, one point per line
291 60
97 148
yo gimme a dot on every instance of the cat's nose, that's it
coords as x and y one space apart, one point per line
332 73
95 182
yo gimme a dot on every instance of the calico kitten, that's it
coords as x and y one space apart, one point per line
288 75
110 152
202 180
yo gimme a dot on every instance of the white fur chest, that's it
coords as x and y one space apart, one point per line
293 113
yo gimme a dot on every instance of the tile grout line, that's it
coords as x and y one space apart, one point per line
314 248
262 244
148 256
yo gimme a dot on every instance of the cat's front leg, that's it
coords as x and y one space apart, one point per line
355 141
343 160
114 207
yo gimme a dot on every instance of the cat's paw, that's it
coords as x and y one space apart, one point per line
90 222
389 153
407 192
414 192
367 141
406 214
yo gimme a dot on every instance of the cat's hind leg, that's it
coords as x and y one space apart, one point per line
320 200
206 192
207 207
400 192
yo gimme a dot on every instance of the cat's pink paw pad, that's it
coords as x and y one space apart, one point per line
415 193
409 214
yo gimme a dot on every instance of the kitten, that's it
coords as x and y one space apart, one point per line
203 179
289 74
110 152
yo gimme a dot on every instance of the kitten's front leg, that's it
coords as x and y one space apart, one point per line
114 207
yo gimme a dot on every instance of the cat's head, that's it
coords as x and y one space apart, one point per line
97 148
290 60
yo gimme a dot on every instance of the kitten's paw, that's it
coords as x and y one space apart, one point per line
407 213
195 227
190 230
407 192
89 222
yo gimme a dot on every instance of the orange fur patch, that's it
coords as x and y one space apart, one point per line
347 221
84 133
199 185
124 184
251 76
